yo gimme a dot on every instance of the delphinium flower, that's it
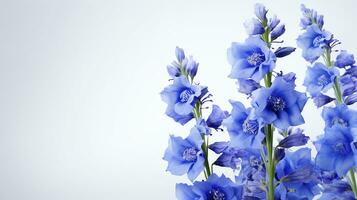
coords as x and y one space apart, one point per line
297 176
280 104
220 188
243 128
336 149
185 155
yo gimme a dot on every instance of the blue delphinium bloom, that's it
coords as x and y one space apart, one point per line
180 54
185 155
254 27
277 32
340 116
310 17
216 117
181 97
214 188
247 86
260 11
338 190
280 104
273 22
321 100
294 139
313 42
344 59
252 59
243 128
190 66
319 78
297 176
174 69
335 150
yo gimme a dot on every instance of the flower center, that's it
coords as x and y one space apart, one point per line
276 103
341 148
255 59
254 161
189 154
317 41
250 126
339 121
322 80
216 194
185 95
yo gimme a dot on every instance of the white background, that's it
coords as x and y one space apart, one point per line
80 111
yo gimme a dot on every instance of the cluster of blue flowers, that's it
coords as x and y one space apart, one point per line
336 157
266 147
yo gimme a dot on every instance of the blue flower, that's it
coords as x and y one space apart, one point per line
280 104
254 27
180 54
216 117
181 97
214 188
284 51
190 66
344 59
243 128
321 100
313 42
338 190
273 22
349 83
319 78
297 176
252 59
174 69
185 155
310 17
339 116
295 139
277 32
247 86
260 11
202 128
335 150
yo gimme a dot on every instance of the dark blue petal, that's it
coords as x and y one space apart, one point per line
180 54
284 51
294 140
219 147
247 86
277 32
321 100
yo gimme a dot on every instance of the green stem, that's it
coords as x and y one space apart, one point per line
270 164
198 114
353 182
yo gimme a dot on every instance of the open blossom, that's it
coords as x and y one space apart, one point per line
216 117
181 97
244 129
313 42
339 116
319 78
251 59
185 155
336 150
280 104
214 188
297 176
344 59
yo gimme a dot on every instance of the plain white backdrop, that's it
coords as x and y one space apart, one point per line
80 111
